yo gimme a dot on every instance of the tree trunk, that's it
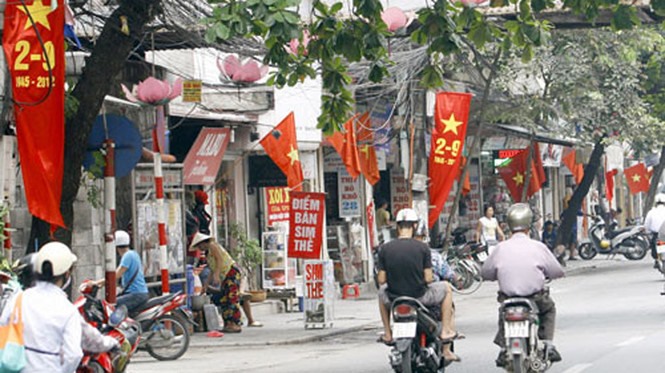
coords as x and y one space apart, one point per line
104 64
653 187
570 214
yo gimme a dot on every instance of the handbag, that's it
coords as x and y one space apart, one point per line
12 346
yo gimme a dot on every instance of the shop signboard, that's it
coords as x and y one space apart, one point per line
349 195
205 156
278 204
399 193
319 293
191 90
306 224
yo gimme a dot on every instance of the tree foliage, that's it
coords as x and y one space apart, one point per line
338 38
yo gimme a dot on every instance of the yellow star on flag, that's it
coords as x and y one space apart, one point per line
518 178
451 124
636 178
365 149
293 154
39 13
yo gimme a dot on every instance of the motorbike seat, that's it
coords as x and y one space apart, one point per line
151 303
520 301
617 232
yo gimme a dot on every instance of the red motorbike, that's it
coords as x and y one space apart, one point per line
161 319
110 322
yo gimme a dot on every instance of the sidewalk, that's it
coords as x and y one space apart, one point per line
350 315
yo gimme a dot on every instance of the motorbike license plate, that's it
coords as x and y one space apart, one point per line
519 329
482 256
404 330
660 249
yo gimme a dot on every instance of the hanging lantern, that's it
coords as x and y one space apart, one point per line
394 18
238 71
153 91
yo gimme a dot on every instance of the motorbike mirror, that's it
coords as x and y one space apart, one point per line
118 316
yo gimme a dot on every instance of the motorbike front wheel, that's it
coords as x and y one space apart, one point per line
167 338
467 277
637 250
586 251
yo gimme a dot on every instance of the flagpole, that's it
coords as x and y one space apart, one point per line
529 158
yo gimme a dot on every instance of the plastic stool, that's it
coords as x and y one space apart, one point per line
350 291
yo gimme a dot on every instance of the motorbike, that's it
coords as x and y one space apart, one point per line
162 322
466 269
628 242
417 345
110 322
525 352
478 251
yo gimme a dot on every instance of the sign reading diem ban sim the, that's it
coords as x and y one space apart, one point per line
306 225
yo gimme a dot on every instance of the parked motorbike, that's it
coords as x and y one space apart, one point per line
417 345
628 242
163 324
525 352
466 269
162 321
108 321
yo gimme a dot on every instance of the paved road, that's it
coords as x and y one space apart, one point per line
611 320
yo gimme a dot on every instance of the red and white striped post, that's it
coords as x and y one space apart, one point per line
7 245
161 212
109 221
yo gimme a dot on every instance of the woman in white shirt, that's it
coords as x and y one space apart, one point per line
488 231
51 323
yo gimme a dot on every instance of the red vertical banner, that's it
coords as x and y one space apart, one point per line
306 224
278 204
451 116
37 68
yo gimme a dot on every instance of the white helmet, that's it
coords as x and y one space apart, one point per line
407 216
58 254
121 238
660 198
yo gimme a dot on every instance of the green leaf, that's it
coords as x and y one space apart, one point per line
624 17
336 8
222 32
538 5
527 53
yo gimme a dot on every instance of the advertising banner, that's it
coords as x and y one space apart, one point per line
319 293
349 195
399 193
306 224
278 204
204 158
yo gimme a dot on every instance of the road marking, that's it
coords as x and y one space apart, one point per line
630 341
577 368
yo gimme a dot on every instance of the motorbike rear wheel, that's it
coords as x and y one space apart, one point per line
95 367
638 251
518 364
586 251
406 360
169 338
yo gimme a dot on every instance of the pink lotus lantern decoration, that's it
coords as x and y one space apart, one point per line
248 71
394 18
294 44
153 91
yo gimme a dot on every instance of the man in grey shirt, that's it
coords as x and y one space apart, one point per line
521 266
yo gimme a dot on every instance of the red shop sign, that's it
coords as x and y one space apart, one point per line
306 224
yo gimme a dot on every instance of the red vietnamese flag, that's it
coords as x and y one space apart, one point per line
369 165
282 147
346 146
638 180
514 173
451 116
577 169
609 185
38 88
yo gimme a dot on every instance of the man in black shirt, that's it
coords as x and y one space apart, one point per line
405 269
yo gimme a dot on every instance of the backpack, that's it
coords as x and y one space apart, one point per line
12 346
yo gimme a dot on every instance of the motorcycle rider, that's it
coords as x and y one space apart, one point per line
405 269
51 323
653 222
521 265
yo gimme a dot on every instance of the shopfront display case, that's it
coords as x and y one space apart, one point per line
279 271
